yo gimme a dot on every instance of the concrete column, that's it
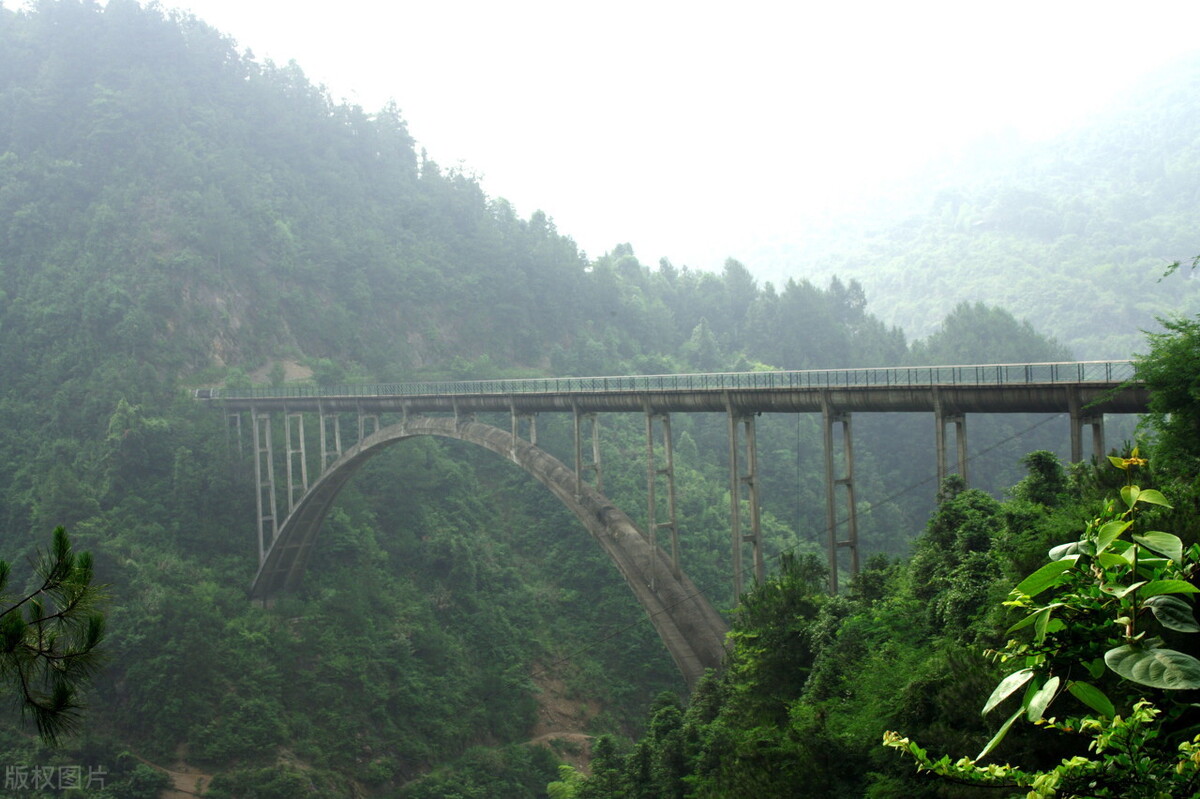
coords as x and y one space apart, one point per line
578 420
668 471
596 453
516 419
832 418
460 417
576 423
960 438
363 418
1079 418
941 419
331 439
297 460
735 502
651 523
653 472
750 478
741 428
264 478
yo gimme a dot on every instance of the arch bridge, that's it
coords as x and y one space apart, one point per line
692 631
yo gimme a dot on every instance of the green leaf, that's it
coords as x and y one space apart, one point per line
1156 587
1109 533
1007 687
1129 494
1023 623
1173 613
1045 577
1039 626
1118 462
1039 701
1153 497
1063 550
1121 591
999 736
1158 668
1162 543
1109 559
1093 697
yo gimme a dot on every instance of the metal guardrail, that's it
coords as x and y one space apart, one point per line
1015 374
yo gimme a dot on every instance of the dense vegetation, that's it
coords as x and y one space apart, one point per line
174 213
814 681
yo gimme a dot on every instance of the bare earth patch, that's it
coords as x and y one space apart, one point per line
562 720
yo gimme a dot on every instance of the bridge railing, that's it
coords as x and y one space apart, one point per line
1016 374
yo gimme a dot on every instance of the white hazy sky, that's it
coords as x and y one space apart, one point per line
694 129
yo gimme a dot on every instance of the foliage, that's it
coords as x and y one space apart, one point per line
175 213
1171 372
49 638
1096 614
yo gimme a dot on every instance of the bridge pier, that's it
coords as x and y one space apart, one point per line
363 418
530 423
331 433
579 419
653 472
295 454
959 420
743 475
1079 419
264 479
832 419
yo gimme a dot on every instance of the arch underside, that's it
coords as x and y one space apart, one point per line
691 629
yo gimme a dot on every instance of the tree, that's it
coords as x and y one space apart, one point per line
49 636
1101 621
1171 370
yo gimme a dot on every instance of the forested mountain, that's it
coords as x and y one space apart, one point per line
175 214
1062 232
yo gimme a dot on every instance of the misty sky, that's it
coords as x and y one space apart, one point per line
694 129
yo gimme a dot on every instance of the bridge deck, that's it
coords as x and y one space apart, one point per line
1098 386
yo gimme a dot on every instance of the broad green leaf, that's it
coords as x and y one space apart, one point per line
1040 700
1063 550
1162 543
1109 533
1093 697
1023 623
1129 494
1154 497
1158 668
1007 687
1039 625
1173 613
1156 587
1121 591
1148 563
1045 577
999 736
1110 559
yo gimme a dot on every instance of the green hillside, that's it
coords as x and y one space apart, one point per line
175 214
1063 233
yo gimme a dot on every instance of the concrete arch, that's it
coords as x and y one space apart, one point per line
691 629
